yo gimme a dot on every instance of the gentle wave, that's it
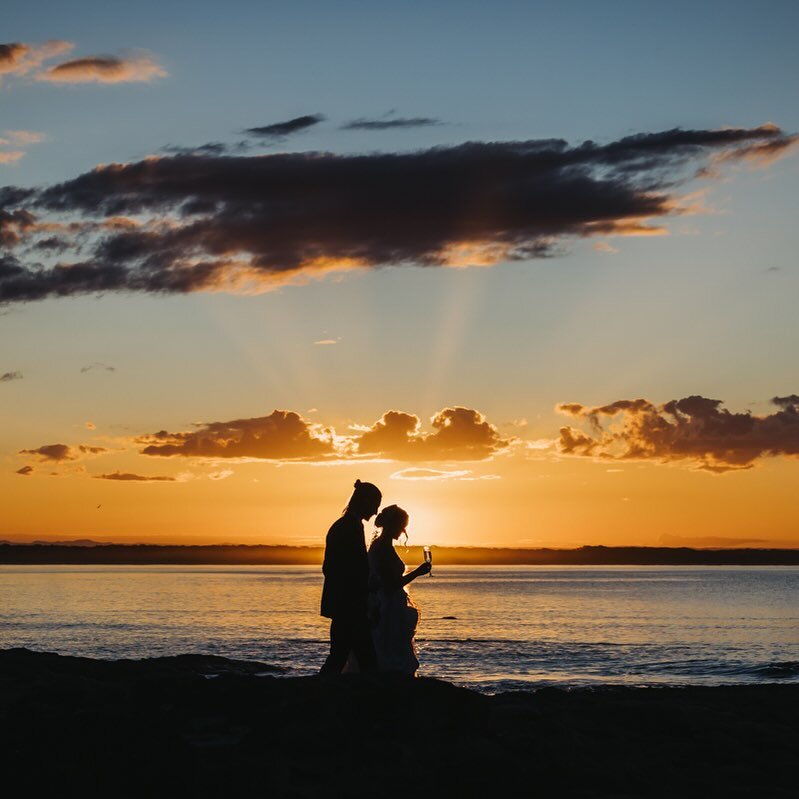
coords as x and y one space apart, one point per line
493 629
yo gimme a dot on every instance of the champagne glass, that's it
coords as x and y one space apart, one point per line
428 558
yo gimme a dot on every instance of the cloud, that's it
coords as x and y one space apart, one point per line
605 246
460 434
17 138
97 365
90 426
279 130
137 478
104 69
52 452
221 475
25 471
11 156
695 430
17 58
91 450
391 123
11 56
56 453
429 474
250 223
22 137
212 148
283 435
14 226
7 377
327 341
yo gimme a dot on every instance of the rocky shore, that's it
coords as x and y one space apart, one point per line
206 726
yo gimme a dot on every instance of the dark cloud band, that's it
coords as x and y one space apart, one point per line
209 223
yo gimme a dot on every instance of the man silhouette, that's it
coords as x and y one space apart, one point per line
346 588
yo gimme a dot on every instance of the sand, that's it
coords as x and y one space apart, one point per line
200 726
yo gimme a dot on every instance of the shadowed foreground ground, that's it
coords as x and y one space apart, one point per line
163 727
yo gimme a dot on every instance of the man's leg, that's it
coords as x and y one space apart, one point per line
340 646
363 646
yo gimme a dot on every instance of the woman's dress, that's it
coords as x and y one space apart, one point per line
393 615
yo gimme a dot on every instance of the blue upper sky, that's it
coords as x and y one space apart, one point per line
490 71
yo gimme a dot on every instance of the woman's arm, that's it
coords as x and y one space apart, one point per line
390 580
422 568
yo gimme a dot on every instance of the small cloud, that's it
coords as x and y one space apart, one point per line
57 453
604 246
211 148
134 478
441 474
279 130
104 69
221 475
390 123
18 58
97 365
7 377
54 453
25 470
540 444
85 450
17 139
429 474
773 269
90 426
11 156
23 137
325 341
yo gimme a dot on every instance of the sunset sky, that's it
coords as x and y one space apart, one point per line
528 266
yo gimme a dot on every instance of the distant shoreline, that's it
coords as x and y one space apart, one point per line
95 553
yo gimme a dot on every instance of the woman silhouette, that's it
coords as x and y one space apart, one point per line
394 616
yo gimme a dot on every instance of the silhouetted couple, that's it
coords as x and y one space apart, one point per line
373 620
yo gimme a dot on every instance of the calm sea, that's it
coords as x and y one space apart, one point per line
493 628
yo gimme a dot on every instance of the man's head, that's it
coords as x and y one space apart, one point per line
365 500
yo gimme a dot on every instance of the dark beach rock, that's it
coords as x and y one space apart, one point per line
161 728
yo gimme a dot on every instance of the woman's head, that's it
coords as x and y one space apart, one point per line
392 520
365 500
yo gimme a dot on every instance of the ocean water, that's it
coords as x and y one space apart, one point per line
491 628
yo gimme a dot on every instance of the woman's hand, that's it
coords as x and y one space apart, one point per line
424 568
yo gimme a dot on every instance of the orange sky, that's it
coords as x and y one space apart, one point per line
526 497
